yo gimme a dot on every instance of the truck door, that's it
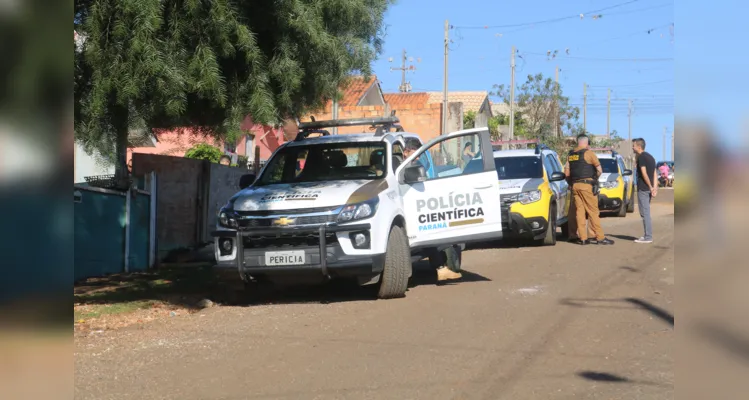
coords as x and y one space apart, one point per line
458 201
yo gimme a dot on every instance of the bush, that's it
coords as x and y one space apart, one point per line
204 151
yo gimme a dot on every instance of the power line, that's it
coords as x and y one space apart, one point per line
547 21
631 85
640 32
603 59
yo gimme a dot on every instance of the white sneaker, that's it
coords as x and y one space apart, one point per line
643 240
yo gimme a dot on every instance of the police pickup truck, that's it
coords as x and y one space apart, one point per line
351 206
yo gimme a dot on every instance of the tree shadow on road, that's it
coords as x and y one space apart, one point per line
615 304
606 377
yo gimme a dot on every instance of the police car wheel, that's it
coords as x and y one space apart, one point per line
631 203
622 211
397 268
551 232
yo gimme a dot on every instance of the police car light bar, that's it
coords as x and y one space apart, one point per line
391 120
525 141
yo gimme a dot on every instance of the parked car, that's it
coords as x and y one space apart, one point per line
617 186
356 208
534 194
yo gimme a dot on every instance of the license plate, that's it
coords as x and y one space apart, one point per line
273 258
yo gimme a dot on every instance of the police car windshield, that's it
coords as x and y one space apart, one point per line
326 162
609 166
519 167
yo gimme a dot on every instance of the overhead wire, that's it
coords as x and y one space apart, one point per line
547 21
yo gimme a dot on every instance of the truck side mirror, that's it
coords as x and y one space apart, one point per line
557 176
627 172
246 180
414 174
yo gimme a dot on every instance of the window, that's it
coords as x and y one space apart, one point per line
456 156
397 155
326 162
609 165
622 167
519 167
549 166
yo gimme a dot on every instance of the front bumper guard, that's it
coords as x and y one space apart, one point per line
322 230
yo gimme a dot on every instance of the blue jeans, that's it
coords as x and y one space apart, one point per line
643 203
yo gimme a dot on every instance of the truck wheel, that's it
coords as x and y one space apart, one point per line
394 281
631 204
551 232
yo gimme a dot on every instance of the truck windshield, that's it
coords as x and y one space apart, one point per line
326 162
518 167
609 166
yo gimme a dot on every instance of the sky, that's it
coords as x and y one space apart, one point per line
613 51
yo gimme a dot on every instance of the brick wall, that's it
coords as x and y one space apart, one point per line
424 120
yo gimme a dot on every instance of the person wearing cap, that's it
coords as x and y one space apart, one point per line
582 171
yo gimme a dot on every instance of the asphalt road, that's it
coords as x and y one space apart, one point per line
563 322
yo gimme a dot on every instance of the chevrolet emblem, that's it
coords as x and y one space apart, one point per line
283 221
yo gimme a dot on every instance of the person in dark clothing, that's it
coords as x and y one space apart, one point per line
647 187
582 171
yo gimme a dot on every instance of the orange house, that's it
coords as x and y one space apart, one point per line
176 142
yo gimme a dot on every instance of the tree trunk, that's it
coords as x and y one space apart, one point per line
121 125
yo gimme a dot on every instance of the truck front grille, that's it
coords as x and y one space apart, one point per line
288 241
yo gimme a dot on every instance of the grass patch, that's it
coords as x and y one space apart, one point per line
97 311
180 285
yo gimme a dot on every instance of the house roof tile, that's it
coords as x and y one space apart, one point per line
355 89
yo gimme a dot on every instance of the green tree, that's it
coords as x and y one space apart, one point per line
204 151
535 100
209 63
469 119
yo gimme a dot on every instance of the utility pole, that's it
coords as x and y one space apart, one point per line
404 86
629 134
512 94
673 148
608 115
556 104
585 108
444 87
664 144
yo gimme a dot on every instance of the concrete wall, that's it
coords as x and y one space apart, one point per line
190 193
180 202
224 183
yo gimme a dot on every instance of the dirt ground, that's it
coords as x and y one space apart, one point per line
563 322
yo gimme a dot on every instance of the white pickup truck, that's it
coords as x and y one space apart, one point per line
351 206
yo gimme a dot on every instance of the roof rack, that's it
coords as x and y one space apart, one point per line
383 125
539 146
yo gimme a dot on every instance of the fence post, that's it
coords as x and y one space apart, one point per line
152 221
127 229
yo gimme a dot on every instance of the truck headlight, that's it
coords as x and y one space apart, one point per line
610 185
227 219
359 211
530 196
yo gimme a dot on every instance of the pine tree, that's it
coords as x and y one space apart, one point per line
209 63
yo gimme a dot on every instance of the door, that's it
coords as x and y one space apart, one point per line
458 201
627 179
560 188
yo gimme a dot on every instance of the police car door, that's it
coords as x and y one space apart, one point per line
458 201
560 188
